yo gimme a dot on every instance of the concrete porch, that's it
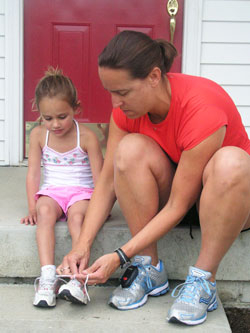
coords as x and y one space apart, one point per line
19 259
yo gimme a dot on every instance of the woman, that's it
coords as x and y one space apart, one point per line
174 140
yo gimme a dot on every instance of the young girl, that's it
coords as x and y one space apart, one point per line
72 161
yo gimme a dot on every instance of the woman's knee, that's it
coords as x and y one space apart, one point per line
130 151
228 168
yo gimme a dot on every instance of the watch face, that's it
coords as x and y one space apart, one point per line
129 276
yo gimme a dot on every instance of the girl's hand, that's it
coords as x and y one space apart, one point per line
101 269
30 219
74 262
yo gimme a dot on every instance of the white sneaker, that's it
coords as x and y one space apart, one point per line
74 292
46 288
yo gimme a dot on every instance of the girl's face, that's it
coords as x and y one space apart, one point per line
132 96
57 115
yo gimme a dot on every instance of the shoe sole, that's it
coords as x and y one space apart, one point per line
211 307
44 305
67 296
155 292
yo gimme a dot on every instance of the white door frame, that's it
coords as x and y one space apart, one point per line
14 81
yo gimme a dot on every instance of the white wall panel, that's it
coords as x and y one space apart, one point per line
2 152
2 88
227 74
1 25
2 48
226 32
226 10
2 64
1 109
215 53
239 94
1 6
2 131
245 114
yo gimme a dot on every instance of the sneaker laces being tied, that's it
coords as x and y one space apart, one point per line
85 289
188 290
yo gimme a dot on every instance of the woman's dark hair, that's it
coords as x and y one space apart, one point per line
138 53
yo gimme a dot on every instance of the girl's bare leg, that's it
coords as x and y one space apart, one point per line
224 208
76 214
143 179
48 212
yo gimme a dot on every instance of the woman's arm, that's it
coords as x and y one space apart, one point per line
33 175
186 188
100 205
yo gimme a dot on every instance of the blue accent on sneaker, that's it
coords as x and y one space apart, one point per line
147 280
195 297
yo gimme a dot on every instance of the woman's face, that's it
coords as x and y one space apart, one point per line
132 96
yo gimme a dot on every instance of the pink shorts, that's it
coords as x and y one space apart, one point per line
66 196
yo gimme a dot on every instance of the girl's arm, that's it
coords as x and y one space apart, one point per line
99 207
186 188
93 149
33 175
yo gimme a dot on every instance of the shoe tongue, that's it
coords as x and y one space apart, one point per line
144 260
194 271
49 273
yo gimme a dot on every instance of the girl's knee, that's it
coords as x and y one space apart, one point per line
75 219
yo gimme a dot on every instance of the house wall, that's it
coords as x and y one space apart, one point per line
216 44
225 50
11 82
219 47
3 136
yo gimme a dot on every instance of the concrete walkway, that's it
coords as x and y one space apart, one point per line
19 315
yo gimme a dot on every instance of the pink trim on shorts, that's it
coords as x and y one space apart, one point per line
66 196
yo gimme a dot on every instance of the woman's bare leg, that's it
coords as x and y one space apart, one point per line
224 205
143 179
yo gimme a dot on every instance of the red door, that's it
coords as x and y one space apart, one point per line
70 34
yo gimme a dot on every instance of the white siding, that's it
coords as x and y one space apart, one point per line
11 77
3 138
225 49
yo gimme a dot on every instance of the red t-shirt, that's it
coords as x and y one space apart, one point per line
199 107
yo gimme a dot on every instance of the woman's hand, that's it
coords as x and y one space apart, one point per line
74 262
101 269
30 219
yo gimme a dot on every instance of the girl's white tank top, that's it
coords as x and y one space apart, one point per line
71 168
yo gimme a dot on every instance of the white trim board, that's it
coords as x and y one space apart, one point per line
14 81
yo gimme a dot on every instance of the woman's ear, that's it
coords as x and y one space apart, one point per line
154 76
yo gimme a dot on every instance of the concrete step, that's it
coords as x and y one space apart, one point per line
19 257
19 315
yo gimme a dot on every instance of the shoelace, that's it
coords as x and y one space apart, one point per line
84 286
188 290
45 283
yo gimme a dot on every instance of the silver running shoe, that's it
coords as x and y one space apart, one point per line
194 299
139 281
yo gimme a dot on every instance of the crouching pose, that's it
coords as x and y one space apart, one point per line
174 140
